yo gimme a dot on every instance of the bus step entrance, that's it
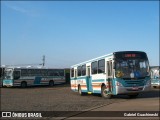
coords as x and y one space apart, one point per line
89 92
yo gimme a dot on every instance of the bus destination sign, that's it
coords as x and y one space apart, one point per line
131 55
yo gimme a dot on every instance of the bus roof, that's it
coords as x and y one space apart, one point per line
107 55
104 56
31 68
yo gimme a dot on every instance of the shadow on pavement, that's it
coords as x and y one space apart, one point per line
41 86
154 93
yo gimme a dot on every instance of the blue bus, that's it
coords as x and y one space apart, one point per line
14 76
122 72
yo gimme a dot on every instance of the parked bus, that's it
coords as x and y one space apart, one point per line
1 75
33 76
155 76
123 72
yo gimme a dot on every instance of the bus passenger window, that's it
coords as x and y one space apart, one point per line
16 75
79 71
83 70
101 66
55 74
94 67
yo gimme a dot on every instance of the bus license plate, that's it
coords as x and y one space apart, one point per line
134 88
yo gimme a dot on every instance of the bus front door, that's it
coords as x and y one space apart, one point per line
109 76
37 80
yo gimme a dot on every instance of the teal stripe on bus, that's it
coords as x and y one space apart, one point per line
98 80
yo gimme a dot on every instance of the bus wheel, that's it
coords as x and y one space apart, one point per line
23 85
133 95
154 86
104 93
80 90
51 83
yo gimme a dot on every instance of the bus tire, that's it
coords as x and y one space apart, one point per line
80 90
133 95
104 93
51 83
23 84
154 87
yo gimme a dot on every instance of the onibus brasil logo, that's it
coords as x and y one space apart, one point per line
22 114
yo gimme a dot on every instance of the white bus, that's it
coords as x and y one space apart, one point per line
33 76
155 76
123 72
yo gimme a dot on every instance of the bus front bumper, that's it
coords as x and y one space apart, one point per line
127 90
7 83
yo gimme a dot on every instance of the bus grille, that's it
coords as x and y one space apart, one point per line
131 83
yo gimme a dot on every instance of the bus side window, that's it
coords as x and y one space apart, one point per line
56 73
94 67
83 70
16 75
61 72
72 72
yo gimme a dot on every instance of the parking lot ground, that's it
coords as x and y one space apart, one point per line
70 105
151 104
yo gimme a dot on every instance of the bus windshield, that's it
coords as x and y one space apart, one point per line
8 74
131 68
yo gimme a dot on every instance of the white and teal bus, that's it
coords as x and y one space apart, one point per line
123 72
155 76
32 76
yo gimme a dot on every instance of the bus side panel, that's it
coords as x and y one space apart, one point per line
44 81
97 85
82 81
19 81
73 84
58 80
97 81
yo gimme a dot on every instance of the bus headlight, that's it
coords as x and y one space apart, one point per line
148 82
118 84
